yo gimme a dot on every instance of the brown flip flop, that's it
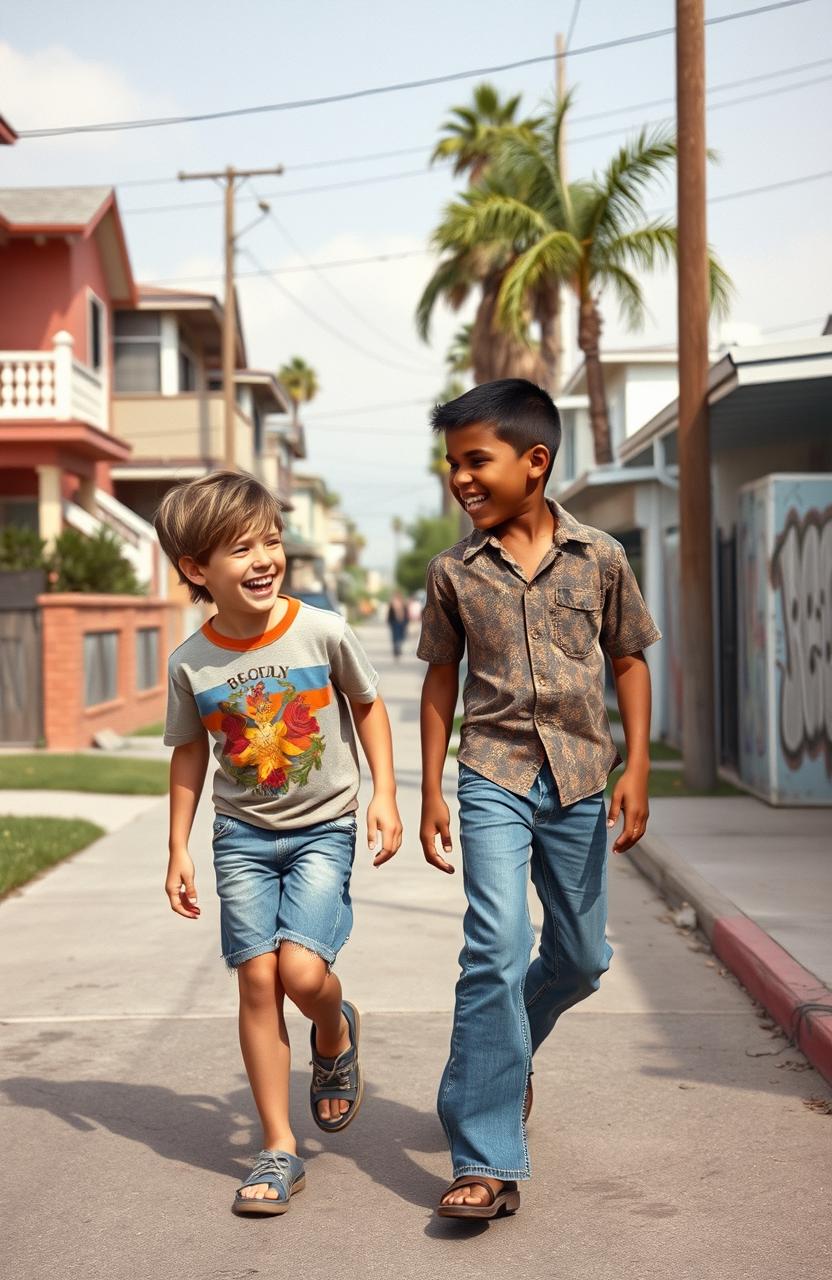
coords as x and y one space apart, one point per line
499 1205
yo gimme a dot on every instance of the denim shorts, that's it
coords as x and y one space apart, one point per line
283 886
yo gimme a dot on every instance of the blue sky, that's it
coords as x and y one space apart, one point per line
61 65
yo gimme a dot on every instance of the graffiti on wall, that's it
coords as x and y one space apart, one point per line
801 570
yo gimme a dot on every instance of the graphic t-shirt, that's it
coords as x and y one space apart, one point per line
276 708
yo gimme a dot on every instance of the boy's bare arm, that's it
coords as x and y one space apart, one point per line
188 766
439 694
372 724
632 686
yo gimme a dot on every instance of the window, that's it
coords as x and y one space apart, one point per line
96 332
100 667
137 350
258 431
147 657
187 381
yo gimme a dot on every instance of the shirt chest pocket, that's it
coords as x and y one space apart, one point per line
576 620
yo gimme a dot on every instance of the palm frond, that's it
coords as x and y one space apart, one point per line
483 216
554 258
452 280
720 286
621 188
628 292
654 244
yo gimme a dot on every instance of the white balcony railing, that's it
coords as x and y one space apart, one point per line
36 386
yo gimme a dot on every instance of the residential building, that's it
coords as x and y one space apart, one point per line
770 416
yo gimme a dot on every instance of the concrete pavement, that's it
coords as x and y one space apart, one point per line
670 1137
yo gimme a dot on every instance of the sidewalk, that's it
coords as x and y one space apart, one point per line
672 1135
760 881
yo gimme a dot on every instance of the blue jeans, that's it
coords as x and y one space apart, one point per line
506 1007
283 886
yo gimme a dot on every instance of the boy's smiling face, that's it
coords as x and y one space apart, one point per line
488 478
243 576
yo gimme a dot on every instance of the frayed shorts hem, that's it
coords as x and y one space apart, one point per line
235 958
504 1175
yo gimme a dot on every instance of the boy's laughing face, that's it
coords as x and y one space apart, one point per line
488 478
243 576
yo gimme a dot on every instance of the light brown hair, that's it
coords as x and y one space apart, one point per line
195 518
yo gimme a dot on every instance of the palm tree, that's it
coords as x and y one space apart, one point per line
301 382
471 141
472 132
590 235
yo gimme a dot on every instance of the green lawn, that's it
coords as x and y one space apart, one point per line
29 845
35 771
149 731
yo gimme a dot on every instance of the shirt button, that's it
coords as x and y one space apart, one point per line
541 679
535 635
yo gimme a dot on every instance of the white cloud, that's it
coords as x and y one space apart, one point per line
56 87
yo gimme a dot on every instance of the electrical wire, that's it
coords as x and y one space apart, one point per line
569 34
346 302
287 271
113 126
415 173
331 329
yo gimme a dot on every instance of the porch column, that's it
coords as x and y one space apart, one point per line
169 356
50 507
85 496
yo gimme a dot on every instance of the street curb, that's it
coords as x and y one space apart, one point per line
794 997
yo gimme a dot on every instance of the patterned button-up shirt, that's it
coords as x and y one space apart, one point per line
535 684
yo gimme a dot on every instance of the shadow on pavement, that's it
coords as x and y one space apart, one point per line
203 1131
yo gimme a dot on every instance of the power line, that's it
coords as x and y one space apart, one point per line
330 265
387 257
415 173
293 191
368 408
575 11
159 121
336 292
575 120
331 329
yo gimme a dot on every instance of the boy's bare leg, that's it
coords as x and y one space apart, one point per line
266 1054
317 993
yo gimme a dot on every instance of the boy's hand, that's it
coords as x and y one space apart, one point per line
180 887
436 821
630 794
383 818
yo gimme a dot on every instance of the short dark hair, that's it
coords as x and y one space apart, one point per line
520 412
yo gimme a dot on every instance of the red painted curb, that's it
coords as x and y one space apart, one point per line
782 985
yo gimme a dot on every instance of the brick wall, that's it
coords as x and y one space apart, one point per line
67 723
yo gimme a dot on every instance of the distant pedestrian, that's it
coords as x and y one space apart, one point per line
272 682
397 622
538 599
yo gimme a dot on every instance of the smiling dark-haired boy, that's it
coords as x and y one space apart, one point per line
537 599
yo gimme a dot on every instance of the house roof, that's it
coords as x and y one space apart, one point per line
754 393
47 208
612 358
72 211
269 394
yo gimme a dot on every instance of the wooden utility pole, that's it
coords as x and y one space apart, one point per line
698 732
560 94
230 177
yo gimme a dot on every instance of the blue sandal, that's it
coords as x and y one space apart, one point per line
338 1077
282 1172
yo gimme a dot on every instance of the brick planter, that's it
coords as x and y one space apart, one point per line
68 723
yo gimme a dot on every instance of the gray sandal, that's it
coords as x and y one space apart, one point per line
338 1077
282 1172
